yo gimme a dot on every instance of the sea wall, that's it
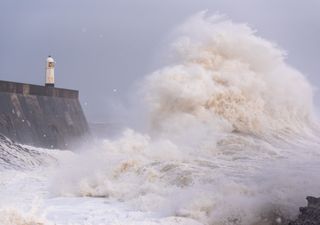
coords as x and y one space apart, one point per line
41 116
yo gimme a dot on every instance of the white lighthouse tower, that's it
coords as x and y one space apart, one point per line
50 72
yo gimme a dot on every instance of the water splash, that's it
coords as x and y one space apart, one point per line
233 138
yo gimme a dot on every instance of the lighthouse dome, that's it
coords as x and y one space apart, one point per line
50 59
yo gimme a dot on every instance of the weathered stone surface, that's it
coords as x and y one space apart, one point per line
309 215
31 89
41 116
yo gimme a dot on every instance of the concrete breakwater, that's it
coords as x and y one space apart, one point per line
41 116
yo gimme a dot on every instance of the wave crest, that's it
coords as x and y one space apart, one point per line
223 74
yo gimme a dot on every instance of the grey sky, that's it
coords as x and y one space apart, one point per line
102 45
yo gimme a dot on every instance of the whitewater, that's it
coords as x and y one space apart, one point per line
232 138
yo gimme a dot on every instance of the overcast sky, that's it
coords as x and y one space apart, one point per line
105 45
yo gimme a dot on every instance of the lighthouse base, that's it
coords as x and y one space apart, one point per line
41 116
49 85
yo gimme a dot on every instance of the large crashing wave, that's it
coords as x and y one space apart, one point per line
225 76
232 137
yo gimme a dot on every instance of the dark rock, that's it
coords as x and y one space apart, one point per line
309 215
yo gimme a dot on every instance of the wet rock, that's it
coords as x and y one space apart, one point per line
309 215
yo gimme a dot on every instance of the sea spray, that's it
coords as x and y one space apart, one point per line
226 77
232 136
15 217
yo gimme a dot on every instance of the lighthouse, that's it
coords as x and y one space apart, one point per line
50 72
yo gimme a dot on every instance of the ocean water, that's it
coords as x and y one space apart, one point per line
232 139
